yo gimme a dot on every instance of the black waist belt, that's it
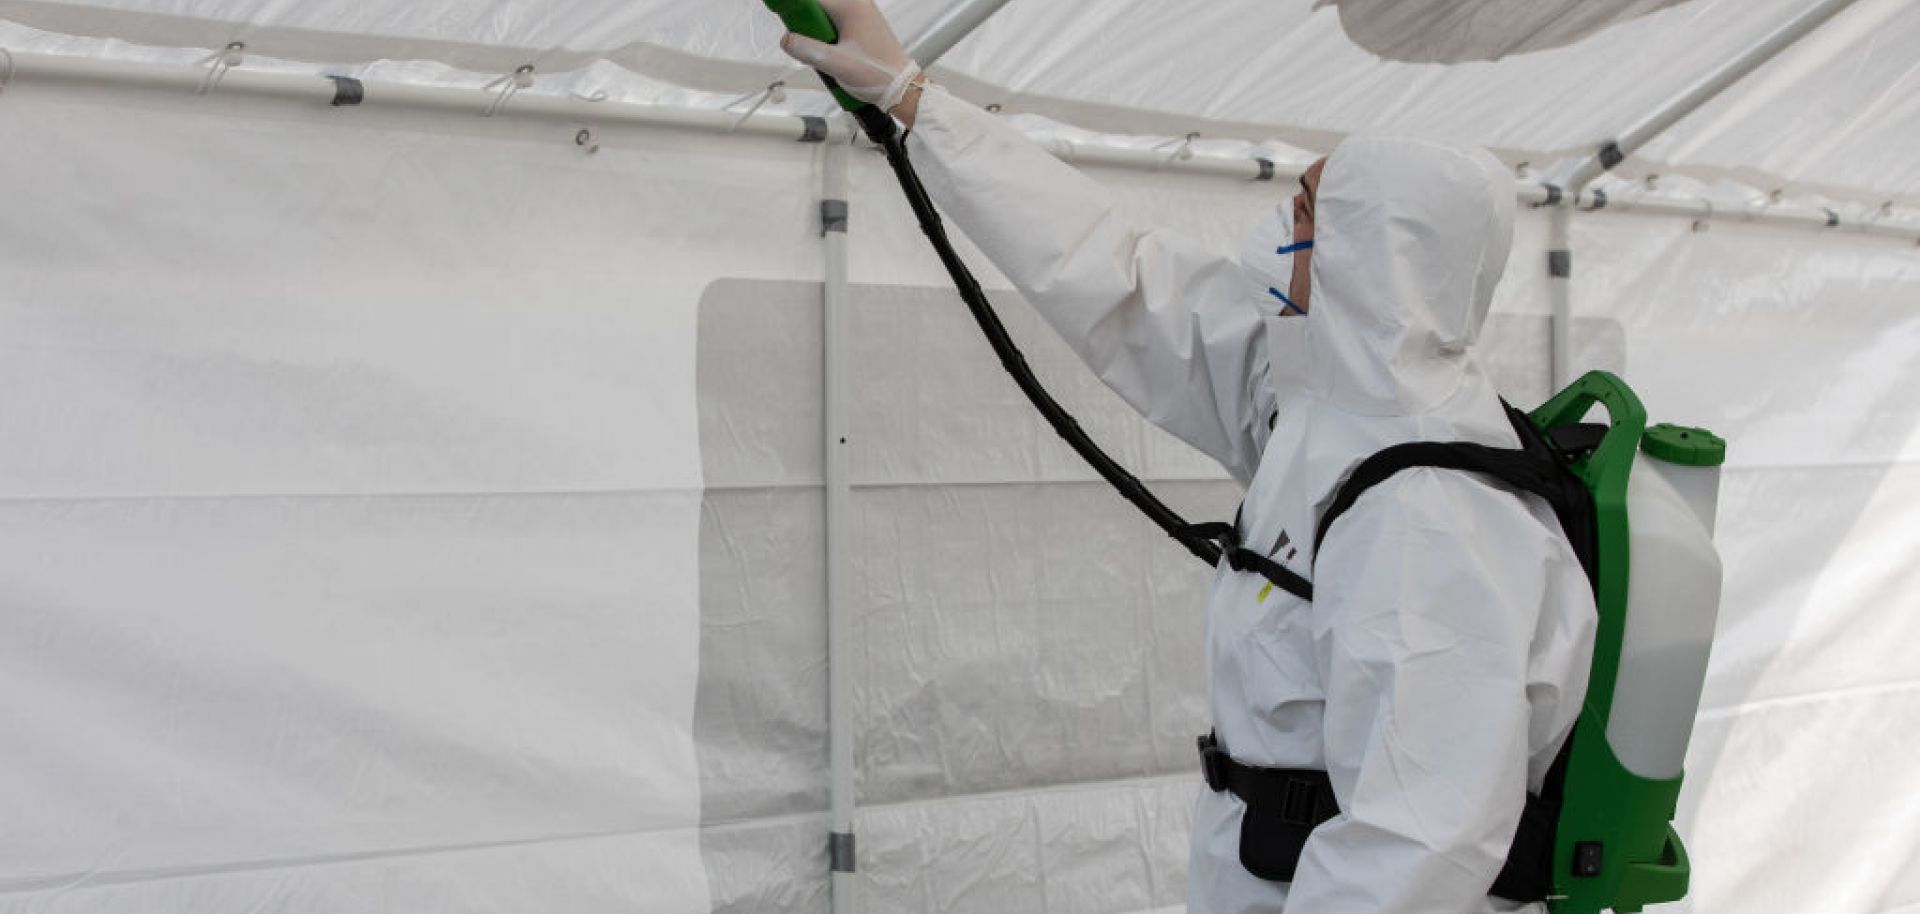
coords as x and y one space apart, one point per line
1284 805
1298 796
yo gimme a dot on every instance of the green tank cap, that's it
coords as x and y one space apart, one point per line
1688 447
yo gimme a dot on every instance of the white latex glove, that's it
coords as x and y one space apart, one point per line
868 63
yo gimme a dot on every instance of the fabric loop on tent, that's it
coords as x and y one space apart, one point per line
1183 151
507 85
219 62
775 92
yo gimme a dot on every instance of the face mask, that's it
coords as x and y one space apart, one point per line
1267 257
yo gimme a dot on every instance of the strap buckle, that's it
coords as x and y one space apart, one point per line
1220 533
1213 763
1297 805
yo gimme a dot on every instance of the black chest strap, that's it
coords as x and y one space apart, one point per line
1240 558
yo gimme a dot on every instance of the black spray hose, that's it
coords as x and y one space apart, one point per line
880 128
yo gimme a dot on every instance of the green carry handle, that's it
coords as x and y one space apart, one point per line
805 17
1605 473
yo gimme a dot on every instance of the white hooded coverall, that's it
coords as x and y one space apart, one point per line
1445 656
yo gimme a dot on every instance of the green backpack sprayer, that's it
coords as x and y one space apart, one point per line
1599 836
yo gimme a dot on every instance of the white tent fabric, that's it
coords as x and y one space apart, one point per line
1804 354
351 509
415 511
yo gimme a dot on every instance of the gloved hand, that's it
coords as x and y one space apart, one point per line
868 63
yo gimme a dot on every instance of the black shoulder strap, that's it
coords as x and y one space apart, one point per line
1534 467
1537 467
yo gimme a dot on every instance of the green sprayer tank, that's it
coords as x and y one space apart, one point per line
1658 592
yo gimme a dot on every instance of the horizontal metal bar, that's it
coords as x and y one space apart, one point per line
1781 214
319 91
1246 169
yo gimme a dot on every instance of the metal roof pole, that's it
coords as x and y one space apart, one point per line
1568 195
952 26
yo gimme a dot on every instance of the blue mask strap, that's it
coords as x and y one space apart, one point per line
1306 245
1288 301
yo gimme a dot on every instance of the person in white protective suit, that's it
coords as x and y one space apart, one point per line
1444 658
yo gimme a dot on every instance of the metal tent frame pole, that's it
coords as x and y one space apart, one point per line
33 71
320 92
950 29
842 865
1569 195
953 26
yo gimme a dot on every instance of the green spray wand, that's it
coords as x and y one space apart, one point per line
805 17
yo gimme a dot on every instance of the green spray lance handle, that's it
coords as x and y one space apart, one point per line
805 17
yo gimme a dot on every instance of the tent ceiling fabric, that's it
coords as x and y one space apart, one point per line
1839 110
1838 114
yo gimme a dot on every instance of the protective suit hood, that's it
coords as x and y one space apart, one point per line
1410 239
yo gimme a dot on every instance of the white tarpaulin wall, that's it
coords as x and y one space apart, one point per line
351 507
1804 354
416 512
